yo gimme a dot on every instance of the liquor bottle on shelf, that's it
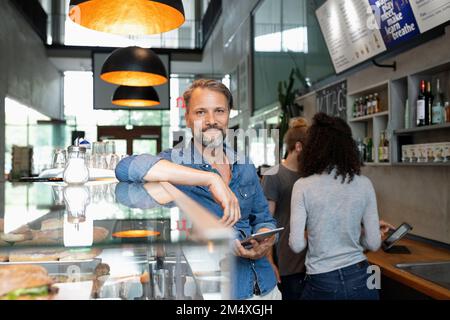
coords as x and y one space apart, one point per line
355 109
369 149
385 148
381 147
370 105
366 103
447 112
420 106
361 107
376 105
428 104
437 114
407 115
361 149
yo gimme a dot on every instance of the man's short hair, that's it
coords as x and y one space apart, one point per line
298 130
213 85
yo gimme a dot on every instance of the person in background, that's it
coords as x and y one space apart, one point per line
220 180
277 185
261 170
338 207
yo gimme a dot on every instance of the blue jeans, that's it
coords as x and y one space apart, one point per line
291 286
349 283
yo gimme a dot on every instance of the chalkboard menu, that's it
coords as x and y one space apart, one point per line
357 30
333 100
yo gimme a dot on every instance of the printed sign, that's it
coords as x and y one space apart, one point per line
396 20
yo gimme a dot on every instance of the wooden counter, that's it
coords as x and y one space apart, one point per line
420 252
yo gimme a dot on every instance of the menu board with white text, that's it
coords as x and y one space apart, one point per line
350 31
357 30
430 13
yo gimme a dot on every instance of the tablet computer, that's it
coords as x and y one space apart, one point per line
399 233
259 237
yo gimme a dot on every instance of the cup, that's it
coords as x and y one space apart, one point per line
110 147
59 158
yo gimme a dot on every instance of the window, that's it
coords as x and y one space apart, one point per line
80 113
23 129
286 35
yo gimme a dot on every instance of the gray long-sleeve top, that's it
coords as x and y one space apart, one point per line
341 220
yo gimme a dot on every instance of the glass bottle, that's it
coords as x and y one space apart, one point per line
437 113
76 171
369 149
366 103
361 149
380 147
407 115
385 147
370 103
429 105
421 106
360 107
447 112
376 103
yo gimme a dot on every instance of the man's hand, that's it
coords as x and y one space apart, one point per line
385 227
223 195
259 249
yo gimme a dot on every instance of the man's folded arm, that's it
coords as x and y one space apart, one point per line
136 167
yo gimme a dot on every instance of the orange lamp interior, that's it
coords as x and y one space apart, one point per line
135 103
127 17
133 78
136 234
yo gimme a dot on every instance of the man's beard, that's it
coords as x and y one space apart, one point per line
213 141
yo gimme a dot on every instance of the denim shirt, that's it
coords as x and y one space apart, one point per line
253 204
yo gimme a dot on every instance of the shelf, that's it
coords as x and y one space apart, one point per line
421 129
370 89
422 164
370 116
377 164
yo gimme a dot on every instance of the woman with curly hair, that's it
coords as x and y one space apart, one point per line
338 207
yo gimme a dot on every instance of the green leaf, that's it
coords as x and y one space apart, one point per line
35 292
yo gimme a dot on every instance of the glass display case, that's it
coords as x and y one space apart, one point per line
109 240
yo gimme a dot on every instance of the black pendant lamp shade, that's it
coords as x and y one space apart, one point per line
135 97
128 17
135 67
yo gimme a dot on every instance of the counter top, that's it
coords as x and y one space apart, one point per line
420 252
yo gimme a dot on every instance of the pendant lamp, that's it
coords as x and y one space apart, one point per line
135 97
135 229
135 67
128 17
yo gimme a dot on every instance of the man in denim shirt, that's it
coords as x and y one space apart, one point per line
220 180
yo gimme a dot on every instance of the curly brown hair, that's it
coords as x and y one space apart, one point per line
329 146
